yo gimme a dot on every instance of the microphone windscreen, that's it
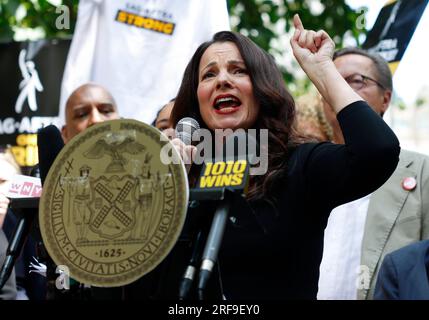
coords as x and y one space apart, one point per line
49 145
185 128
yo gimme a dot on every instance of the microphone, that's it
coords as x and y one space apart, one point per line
189 275
232 174
185 129
50 143
213 243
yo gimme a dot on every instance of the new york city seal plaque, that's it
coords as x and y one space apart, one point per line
112 208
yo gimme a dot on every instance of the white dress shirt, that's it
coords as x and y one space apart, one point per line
340 267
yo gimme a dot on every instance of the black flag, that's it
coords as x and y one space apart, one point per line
394 29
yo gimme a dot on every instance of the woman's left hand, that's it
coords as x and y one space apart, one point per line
313 50
188 153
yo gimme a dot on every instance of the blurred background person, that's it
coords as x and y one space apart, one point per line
8 167
310 120
30 285
162 120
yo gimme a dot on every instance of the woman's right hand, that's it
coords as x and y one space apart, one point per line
187 152
313 50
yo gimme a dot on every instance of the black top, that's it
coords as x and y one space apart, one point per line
276 254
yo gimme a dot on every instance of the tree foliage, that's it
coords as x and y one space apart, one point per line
32 14
255 18
259 20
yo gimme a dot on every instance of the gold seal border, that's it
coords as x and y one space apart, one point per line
176 225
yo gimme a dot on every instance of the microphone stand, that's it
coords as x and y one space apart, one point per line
191 269
225 198
213 244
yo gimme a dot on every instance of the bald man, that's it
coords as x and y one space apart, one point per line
87 105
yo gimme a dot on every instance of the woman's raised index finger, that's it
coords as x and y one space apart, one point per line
297 22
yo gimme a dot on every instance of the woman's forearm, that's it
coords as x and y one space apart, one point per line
331 85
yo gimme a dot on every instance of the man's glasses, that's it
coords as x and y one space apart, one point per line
358 81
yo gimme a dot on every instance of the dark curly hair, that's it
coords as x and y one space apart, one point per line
277 107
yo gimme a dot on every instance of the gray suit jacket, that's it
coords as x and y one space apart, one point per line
396 217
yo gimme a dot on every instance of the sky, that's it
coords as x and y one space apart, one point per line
411 75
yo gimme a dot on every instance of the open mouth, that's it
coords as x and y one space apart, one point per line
226 104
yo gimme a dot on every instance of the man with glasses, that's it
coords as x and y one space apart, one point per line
360 233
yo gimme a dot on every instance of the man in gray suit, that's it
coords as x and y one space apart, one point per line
360 233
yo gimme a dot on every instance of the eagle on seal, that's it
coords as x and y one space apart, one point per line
114 148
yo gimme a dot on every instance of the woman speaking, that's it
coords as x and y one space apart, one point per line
274 251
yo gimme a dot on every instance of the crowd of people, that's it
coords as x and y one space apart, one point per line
339 193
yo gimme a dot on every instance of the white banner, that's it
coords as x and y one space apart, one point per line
138 50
